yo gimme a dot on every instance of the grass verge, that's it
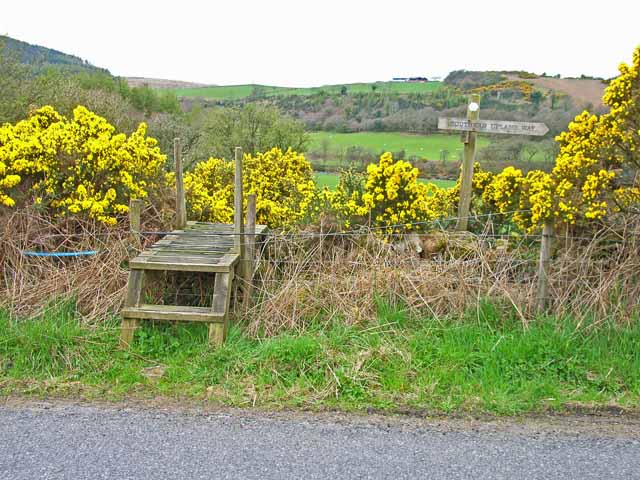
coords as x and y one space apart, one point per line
477 364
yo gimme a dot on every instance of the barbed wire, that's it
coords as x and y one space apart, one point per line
363 230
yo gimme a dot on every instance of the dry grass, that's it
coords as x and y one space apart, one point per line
29 284
303 279
320 279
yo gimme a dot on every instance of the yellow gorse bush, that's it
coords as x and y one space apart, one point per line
282 181
391 198
76 166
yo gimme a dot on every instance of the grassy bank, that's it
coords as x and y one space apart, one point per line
481 364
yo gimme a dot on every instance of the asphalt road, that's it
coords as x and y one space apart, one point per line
54 441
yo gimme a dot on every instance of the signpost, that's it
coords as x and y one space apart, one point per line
470 127
493 126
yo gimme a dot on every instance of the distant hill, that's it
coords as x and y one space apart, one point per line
161 83
582 90
39 57
239 92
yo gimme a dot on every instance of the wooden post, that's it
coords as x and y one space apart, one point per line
134 289
238 224
543 268
181 207
466 177
135 210
250 250
220 303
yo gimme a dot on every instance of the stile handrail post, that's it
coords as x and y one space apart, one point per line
181 207
135 212
238 224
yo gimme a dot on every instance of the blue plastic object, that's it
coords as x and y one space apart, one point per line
60 254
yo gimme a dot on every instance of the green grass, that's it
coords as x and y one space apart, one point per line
331 180
482 363
236 92
421 146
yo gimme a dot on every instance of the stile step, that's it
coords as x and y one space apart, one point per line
172 312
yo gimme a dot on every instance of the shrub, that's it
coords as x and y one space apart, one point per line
76 166
391 198
282 182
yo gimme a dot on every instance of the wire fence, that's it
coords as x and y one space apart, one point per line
300 277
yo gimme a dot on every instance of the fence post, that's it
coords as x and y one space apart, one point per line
181 208
135 210
250 250
543 267
238 224
473 113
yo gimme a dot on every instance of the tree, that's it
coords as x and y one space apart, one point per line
254 127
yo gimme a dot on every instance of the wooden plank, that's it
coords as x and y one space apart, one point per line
196 248
191 252
217 227
181 254
176 313
180 267
189 258
188 246
192 240
182 259
202 241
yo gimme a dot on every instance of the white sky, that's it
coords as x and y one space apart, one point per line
311 42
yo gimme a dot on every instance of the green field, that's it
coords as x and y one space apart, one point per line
331 180
421 146
236 92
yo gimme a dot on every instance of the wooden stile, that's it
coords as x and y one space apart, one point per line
211 248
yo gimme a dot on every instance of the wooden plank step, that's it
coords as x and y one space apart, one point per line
168 253
180 264
173 313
